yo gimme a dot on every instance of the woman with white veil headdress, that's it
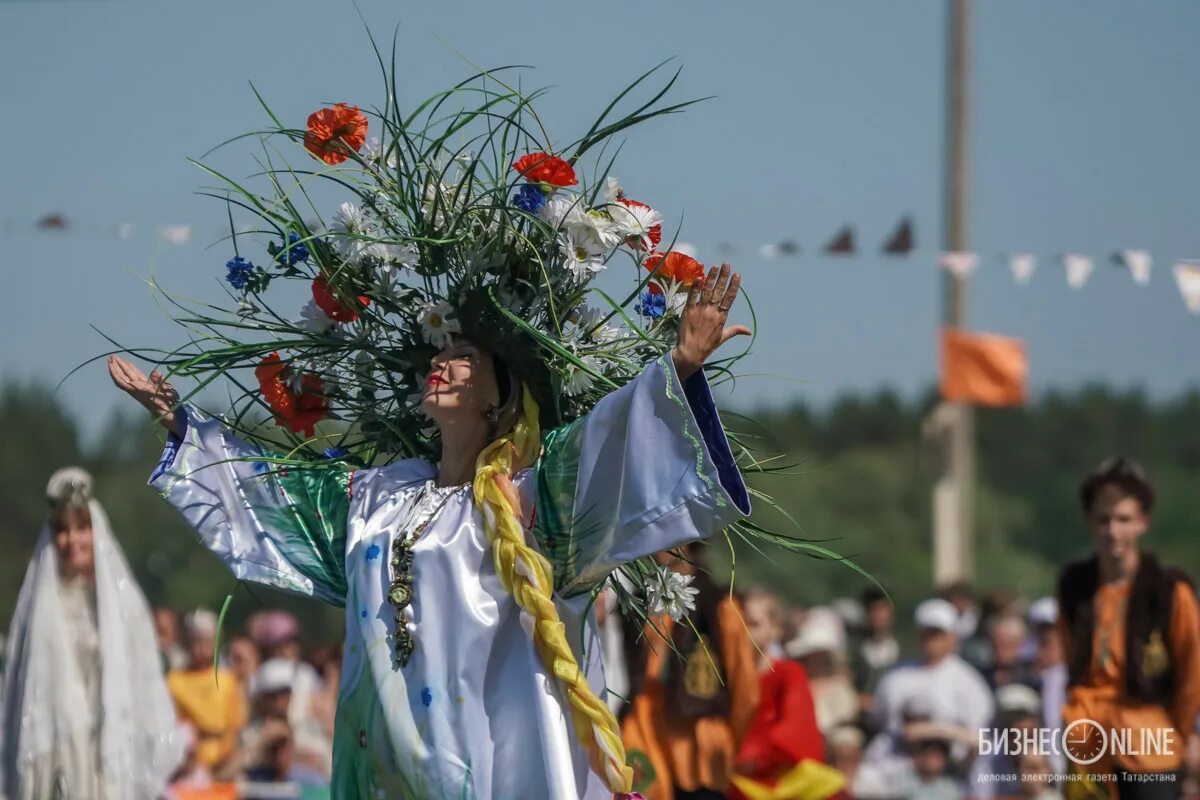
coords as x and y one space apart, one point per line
85 709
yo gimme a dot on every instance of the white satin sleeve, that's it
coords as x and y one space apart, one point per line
648 469
282 525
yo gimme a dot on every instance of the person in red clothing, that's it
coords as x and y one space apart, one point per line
784 730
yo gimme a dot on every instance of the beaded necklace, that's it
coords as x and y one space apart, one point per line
400 593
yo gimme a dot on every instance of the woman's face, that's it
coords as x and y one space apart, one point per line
461 383
73 543
762 621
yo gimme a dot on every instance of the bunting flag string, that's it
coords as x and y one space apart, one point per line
1138 262
1022 266
1079 269
960 264
1187 277
899 242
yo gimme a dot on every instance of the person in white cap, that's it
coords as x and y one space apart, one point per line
85 712
952 690
820 648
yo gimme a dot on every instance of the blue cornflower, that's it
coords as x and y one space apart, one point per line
529 198
372 552
426 696
336 452
240 271
295 253
652 305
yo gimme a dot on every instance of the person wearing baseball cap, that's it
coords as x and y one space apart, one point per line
950 689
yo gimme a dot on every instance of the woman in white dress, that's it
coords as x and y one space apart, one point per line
466 666
86 715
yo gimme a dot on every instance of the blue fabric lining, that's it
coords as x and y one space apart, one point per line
700 400
170 449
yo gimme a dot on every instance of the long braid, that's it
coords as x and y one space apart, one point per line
527 574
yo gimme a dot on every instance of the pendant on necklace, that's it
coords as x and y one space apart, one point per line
400 596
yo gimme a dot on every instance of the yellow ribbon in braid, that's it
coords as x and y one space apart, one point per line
527 574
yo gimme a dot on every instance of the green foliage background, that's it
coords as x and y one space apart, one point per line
861 485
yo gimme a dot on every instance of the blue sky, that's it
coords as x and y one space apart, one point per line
1085 117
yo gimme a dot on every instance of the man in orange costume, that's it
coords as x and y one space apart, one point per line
1131 631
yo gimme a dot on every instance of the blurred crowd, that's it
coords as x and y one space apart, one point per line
741 697
259 717
895 722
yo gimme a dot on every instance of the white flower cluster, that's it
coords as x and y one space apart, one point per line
670 593
587 236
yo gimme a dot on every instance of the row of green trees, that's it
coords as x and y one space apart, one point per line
860 487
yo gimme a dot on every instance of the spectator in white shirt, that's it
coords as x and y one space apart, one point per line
953 690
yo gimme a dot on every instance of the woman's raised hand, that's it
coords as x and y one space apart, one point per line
155 394
702 329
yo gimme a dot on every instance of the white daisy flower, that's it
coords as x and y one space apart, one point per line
584 255
671 593
314 320
437 324
350 229
564 210
578 381
634 222
588 321
600 226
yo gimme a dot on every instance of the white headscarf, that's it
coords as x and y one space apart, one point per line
43 691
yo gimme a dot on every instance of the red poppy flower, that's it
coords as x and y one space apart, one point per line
334 132
311 405
677 267
543 168
272 383
654 234
333 306
299 413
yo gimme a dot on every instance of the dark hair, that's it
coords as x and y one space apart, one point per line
504 379
872 595
960 588
61 516
1124 473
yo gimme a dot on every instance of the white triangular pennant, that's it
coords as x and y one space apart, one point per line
961 264
1079 269
768 251
1022 266
1138 262
1187 276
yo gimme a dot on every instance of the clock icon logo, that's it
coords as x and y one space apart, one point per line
1084 741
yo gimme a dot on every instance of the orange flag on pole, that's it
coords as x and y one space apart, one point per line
983 368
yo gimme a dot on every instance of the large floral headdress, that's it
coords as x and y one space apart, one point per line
457 218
